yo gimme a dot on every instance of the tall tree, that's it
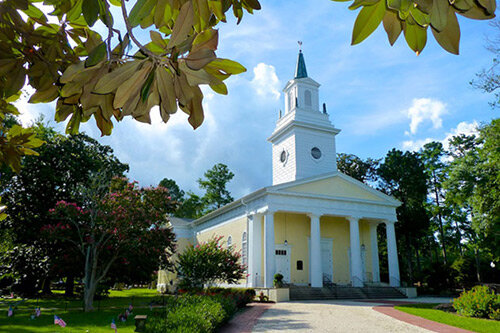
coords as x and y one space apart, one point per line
460 187
352 165
432 156
65 166
402 175
175 191
109 226
214 184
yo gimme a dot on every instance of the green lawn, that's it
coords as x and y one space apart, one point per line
473 324
76 319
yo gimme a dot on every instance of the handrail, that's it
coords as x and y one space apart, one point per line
327 282
357 279
394 281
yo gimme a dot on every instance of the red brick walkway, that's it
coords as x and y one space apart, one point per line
415 320
245 321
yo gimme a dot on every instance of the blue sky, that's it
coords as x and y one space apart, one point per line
380 96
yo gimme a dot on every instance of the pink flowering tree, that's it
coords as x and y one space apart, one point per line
209 263
114 225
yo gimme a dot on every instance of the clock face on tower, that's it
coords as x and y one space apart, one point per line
283 156
316 153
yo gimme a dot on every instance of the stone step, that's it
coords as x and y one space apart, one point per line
336 292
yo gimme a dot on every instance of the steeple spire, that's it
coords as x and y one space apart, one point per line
300 71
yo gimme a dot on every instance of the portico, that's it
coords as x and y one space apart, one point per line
301 244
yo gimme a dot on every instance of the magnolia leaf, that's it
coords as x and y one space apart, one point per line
207 39
97 55
15 81
159 14
44 96
463 5
449 37
157 39
216 8
194 108
394 4
227 66
439 14
141 9
71 89
477 13
425 5
112 80
131 87
165 84
420 17
416 37
254 4
198 59
220 88
146 88
182 25
71 71
392 26
197 77
489 5
367 21
358 3
90 10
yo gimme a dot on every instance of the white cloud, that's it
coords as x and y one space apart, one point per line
462 128
426 109
265 81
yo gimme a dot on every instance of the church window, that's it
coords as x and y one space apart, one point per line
307 98
244 248
316 153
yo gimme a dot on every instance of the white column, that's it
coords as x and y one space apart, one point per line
254 250
374 250
316 269
356 269
269 252
392 254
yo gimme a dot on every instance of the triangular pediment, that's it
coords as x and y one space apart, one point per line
336 185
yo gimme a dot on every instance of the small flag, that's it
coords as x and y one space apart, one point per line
38 312
130 307
10 313
113 325
59 321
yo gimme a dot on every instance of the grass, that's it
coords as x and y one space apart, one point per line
77 320
473 324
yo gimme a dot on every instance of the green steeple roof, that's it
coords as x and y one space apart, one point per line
301 71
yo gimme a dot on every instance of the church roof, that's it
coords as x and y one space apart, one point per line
301 71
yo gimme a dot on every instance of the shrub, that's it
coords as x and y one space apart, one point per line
192 313
241 296
278 280
480 302
208 263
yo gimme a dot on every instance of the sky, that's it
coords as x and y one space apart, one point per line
381 97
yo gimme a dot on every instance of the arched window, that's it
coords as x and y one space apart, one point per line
229 241
307 98
244 249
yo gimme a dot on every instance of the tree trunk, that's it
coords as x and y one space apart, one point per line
46 287
459 238
478 269
440 218
70 285
419 266
409 259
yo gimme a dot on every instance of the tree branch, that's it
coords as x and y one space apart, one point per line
132 37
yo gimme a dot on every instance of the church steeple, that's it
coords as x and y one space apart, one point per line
301 71
304 138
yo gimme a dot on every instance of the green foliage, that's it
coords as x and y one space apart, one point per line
175 192
479 302
209 262
214 184
278 280
202 314
362 170
415 17
426 310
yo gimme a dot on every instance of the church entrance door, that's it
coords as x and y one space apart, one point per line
283 261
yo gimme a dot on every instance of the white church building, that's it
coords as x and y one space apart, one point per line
314 224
